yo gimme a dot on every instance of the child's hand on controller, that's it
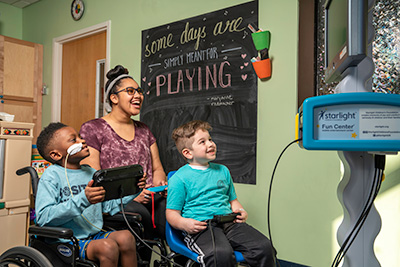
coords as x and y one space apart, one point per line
94 194
242 217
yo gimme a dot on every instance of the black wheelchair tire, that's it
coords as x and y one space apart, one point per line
24 256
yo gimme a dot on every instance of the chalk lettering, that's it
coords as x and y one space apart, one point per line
202 55
215 76
173 61
211 75
221 76
231 26
180 82
190 78
191 34
229 103
158 45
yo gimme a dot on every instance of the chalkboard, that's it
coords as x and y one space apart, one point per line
199 69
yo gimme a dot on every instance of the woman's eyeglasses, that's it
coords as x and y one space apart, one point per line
131 90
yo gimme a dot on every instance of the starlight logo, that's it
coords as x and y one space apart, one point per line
336 116
321 114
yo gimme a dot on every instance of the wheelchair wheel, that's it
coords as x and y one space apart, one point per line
23 257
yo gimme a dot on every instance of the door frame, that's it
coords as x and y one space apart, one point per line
58 43
98 87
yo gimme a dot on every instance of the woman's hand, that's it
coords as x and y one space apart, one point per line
94 194
144 197
165 192
142 181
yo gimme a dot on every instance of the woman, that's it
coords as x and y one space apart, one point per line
117 140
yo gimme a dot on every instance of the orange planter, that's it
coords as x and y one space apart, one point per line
262 68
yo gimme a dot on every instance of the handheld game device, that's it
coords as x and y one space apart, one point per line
157 189
225 218
120 181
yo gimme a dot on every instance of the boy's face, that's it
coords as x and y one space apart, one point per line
64 138
203 149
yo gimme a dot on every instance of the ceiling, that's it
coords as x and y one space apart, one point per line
19 3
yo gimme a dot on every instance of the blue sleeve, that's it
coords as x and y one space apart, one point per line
176 193
114 206
49 209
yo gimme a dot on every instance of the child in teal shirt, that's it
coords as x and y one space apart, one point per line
202 189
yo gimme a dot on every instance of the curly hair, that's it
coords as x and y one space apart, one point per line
182 135
111 75
45 140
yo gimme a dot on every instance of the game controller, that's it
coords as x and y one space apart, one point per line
157 188
75 148
225 218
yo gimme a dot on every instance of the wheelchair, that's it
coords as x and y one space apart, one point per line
177 245
175 241
45 251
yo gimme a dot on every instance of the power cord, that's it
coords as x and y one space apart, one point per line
375 187
269 199
70 189
213 242
354 232
138 237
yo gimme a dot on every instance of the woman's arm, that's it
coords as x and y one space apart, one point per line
93 160
159 177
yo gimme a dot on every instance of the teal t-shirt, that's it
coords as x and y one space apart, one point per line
201 194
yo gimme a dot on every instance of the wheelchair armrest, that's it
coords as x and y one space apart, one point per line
117 221
52 232
130 216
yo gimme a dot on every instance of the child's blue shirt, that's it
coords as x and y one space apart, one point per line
56 207
201 194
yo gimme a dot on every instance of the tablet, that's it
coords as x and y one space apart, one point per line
119 182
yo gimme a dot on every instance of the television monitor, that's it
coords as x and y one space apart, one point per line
345 36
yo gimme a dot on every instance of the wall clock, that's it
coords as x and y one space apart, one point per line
77 9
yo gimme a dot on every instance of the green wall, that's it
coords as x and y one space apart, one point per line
10 21
304 207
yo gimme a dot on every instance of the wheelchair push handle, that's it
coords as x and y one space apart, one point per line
34 177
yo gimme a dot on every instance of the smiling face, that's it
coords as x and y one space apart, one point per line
129 104
62 140
203 149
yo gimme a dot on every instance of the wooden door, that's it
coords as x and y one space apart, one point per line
21 67
78 97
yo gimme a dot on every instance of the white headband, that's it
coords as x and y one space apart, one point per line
106 102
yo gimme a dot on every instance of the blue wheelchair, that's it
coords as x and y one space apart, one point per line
177 245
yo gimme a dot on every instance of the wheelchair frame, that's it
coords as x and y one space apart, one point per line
41 254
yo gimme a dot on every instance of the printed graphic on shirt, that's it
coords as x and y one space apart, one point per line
65 193
221 184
